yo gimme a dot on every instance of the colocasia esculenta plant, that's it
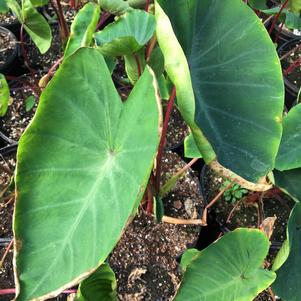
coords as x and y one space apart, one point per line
85 161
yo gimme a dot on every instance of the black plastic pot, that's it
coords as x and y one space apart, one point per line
12 58
291 90
13 26
285 35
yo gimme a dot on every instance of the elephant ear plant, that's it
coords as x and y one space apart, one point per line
85 161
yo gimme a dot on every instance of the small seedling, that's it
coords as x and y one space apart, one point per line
234 193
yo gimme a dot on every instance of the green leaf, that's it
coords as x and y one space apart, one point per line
3 7
34 23
115 7
111 63
4 95
156 61
258 4
82 28
39 3
289 181
190 148
131 65
101 285
126 35
81 165
282 255
289 154
178 71
237 81
158 208
163 89
29 103
188 257
228 270
295 6
287 284
14 6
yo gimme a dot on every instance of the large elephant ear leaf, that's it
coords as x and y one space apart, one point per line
101 285
84 153
289 181
237 81
82 28
126 35
34 23
178 71
228 270
289 154
287 284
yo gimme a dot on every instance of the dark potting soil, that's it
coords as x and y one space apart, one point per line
17 118
45 61
246 213
69 13
177 129
7 46
7 18
145 258
244 216
6 234
294 77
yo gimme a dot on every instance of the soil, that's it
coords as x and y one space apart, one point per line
177 129
44 61
7 47
295 76
145 259
16 119
7 18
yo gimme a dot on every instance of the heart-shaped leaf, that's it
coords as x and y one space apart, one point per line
228 270
101 285
287 284
83 165
237 81
126 35
82 28
289 154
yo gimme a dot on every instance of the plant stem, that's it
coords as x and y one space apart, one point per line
150 206
290 52
232 212
5 253
271 294
147 5
150 48
9 291
279 32
277 16
138 65
292 67
61 18
104 17
181 221
170 183
26 62
163 138
215 199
